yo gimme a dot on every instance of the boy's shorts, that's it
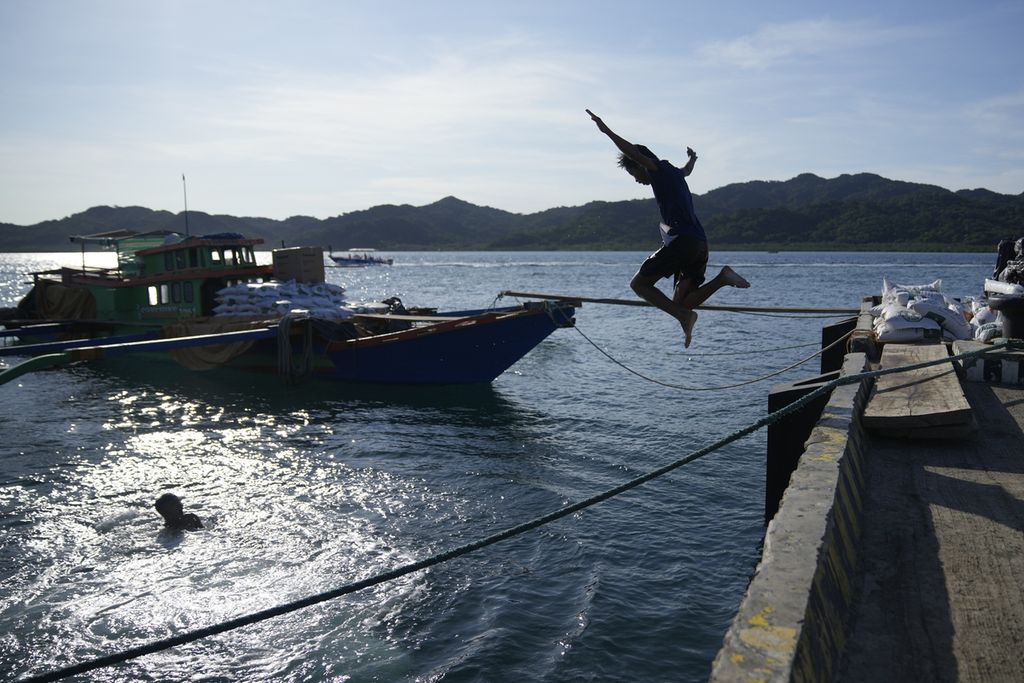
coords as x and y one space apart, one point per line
684 257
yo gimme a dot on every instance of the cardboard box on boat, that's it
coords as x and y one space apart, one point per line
302 264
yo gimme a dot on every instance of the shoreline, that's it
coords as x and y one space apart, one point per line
768 249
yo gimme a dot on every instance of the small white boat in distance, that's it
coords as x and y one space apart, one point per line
359 257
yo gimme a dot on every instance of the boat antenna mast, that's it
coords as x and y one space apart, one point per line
184 191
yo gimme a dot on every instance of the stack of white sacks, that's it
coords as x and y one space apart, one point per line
911 313
986 323
278 299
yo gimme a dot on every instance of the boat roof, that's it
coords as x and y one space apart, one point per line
157 240
112 237
231 239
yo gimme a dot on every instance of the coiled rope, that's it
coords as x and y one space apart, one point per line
287 366
445 556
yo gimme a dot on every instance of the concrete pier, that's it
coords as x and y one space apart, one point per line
939 584
893 559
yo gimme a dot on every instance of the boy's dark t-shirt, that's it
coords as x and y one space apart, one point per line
675 202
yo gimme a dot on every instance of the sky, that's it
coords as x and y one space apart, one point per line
320 108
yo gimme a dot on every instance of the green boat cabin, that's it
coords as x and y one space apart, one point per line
160 276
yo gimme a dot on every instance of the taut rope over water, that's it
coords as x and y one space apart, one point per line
763 310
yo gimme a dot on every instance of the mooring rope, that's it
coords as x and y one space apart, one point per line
796 316
682 387
262 615
711 354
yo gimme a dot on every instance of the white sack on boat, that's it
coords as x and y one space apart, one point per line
277 299
984 316
949 319
889 332
988 332
998 287
903 317
934 287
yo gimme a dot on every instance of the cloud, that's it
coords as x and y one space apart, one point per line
447 100
998 116
780 43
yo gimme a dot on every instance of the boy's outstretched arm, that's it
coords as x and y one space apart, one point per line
688 169
625 146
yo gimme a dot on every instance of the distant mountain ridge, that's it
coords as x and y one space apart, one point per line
859 211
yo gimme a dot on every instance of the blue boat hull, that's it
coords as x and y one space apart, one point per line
464 347
474 351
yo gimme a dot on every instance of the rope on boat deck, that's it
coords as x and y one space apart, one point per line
287 367
262 615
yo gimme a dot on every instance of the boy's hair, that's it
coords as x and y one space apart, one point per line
631 166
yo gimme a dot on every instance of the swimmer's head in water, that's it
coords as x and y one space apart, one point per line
169 506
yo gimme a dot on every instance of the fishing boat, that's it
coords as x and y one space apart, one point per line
357 257
194 300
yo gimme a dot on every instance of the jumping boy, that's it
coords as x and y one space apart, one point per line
684 251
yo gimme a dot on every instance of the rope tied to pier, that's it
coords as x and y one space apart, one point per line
445 556
680 387
744 383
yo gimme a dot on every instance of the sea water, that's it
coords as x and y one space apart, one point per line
305 488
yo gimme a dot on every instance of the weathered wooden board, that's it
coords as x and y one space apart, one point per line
922 403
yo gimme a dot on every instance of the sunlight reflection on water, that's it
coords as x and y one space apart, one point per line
302 489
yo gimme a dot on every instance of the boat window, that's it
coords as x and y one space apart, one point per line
165 294
187 293
193 258
250 257
168 261
176 292
215 256
179 259
153 295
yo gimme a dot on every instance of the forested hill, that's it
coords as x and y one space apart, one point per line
862 211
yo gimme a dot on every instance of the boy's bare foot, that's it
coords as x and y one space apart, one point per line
733 278
688 327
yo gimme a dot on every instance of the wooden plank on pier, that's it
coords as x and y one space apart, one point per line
924 403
